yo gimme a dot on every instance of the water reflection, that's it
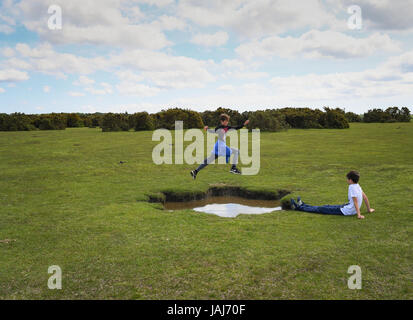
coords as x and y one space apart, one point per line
228 207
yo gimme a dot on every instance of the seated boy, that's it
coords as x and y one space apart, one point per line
355 198
220 148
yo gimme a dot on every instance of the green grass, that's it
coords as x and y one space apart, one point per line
67 201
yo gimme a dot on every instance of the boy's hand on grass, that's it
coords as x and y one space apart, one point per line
360 217
371 210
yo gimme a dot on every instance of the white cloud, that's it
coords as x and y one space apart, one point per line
76 94
9 20
158 3
6 29
169 23
137 89
7 52
96 91
178 79
16 63
211 40
83 81
44 59
226 87
105 88
233 64
392 78
46 89
257 18
109 23
317 44
163 70
245 75
128 75
12 75
384 14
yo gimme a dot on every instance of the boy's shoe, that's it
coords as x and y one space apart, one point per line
235 170
294 205
299 202
193 174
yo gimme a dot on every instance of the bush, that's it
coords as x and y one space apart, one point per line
392 114
96 120
211 118
352 117
268 120
52 121
334 119
16 122
303 118
141 121
166 119
399 115
73 120
115 122
4 121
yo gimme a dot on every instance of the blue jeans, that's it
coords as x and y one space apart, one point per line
322 209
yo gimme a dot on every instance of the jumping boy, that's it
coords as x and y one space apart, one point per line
220 148
355 198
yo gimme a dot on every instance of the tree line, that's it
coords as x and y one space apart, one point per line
265 120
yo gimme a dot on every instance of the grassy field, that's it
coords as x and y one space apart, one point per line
65 200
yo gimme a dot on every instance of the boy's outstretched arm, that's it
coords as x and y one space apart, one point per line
366 200
209 130
240 126
356 205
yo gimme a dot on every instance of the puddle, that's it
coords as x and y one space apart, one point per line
226 206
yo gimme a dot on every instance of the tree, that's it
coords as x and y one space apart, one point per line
334 119
392 114
211 118
16 122
353 117
268 120
141 121
303 118
166 118
115 122
73 120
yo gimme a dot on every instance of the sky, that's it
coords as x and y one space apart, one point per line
149 55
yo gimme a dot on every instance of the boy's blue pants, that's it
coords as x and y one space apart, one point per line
220 150
322 209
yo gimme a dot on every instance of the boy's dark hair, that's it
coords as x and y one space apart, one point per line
353 176
224 117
